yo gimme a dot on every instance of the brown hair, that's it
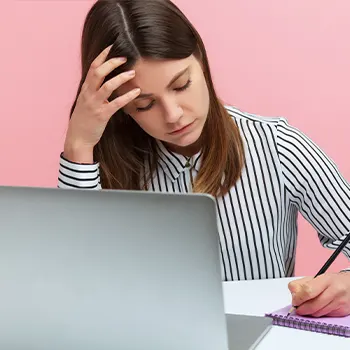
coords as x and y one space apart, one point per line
155 29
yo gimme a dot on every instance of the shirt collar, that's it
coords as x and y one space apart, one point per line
174 164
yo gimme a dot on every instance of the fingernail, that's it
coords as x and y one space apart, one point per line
131 73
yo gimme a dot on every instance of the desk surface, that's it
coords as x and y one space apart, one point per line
261 296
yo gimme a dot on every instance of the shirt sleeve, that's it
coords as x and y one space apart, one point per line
314 184
75 175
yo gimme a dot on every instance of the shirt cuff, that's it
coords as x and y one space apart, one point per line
78 175
74 164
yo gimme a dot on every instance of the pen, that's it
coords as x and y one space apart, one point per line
328 263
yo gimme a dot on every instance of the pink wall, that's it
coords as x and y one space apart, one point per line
289 58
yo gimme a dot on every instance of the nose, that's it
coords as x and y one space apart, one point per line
172 110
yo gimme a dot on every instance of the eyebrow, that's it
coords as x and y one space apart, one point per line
177 76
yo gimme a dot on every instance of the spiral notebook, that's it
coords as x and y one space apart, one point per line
329 325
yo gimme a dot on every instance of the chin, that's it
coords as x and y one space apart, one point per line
188 139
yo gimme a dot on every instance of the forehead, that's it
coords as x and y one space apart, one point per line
154 75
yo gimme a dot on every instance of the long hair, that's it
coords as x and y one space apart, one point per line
155 29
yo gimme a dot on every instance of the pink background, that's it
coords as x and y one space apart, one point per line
270 57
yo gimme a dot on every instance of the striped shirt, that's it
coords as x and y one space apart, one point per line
285 173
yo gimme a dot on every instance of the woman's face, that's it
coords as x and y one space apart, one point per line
174 101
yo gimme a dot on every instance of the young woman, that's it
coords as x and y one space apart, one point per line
147 117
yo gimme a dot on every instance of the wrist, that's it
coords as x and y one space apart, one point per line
78 154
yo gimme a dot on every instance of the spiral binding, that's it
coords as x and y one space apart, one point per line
313 326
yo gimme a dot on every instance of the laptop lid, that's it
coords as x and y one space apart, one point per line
107 270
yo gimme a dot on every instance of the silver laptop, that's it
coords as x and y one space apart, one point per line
110 270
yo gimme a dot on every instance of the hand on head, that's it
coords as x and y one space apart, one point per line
92 113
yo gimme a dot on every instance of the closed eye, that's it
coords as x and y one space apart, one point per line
187 85
179 89
147 108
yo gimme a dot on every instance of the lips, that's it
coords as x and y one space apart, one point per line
179 130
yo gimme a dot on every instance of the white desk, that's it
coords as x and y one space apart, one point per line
259 297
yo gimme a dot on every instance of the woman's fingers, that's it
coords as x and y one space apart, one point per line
122 101
96 76
111 85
